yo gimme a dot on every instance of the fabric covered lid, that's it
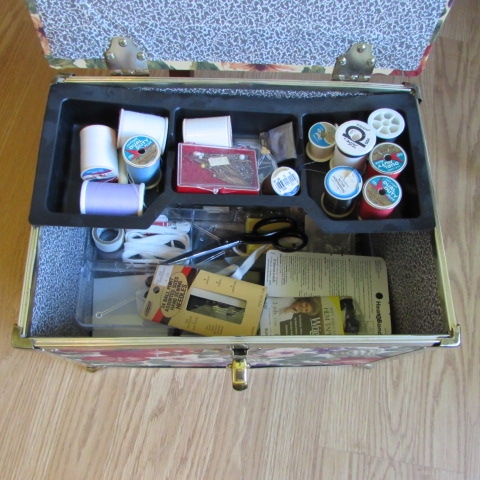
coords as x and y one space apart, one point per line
277 35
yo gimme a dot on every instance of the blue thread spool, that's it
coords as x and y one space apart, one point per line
142 158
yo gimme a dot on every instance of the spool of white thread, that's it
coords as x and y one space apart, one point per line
142 157
98 153
213 131
354 140
133 123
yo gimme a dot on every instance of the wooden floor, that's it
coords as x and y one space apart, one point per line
413 417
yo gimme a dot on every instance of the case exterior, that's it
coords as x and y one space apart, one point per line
218 352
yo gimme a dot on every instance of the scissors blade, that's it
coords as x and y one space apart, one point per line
201 252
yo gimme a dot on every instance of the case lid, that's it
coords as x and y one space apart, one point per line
264 35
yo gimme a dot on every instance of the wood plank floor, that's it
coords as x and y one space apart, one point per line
413 417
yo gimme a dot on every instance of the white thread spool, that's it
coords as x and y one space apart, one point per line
321 141
142 157
211 131
354 141
108 239
387 123
98 154
133 123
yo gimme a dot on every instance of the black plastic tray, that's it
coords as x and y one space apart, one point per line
70 107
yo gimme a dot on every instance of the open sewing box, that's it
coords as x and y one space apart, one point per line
349 40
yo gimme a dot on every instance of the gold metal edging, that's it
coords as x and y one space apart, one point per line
19 341
27 283
199 82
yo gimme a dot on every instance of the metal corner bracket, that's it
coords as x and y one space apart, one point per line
355 65
123 57
20 342
454 340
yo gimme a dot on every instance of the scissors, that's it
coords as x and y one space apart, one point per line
285 237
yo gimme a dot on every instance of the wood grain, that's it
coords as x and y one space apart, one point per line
412 417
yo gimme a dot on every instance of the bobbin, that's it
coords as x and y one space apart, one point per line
387 123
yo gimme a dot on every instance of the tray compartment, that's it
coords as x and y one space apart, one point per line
411 259
70 107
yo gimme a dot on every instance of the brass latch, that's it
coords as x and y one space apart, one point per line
239 367
123 57
355 65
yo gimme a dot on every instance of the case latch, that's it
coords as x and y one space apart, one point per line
355 65
123 57
239 367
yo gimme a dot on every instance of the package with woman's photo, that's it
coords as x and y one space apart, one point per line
328 315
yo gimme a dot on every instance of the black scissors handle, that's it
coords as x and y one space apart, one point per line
287 238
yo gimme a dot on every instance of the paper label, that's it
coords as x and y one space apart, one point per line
362 278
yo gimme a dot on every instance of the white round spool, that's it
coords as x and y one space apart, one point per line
354 140
387 123
98 154
134 123
210 131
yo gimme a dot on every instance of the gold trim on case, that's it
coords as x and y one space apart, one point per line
198 82
18 341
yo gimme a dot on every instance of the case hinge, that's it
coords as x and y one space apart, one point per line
355 65
123 57
239 367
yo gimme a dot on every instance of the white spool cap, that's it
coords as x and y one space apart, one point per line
134 123
213 131
387 123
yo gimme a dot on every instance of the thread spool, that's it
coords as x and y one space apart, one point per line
132 124
108 239
97 198
98 153
386 159
342 187
354 140
387 123
380 197
283 181
142 157
212 131
321 142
